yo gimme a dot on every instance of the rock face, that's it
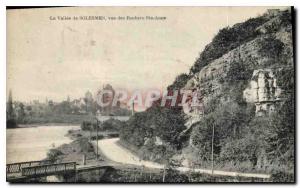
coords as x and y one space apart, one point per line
263 91
243 67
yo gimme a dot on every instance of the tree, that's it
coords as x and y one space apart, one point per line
202 135
280 133
168 123
238 71
88 99
10 109
245 149
63 108
230 121
179 82
10 113
144 128
270 47
20 112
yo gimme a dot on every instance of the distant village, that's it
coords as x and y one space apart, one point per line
86 105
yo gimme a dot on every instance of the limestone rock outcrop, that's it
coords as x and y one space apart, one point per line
263 91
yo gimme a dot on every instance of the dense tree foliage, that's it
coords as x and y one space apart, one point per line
179 82
144 128
112 125
229 121
270 47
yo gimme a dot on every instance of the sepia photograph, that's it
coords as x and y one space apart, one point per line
162 94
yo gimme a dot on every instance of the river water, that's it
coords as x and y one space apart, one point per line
30 144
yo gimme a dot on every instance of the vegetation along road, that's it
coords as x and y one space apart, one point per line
113 151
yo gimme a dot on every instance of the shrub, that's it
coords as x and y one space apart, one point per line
179 82
11 123
88 125
157 122
53 154
112 125
174 176
270 47
282 177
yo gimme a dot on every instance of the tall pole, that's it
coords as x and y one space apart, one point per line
91 134
212 149
132 110
97 138
164 173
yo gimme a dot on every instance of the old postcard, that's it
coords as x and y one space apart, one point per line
150 95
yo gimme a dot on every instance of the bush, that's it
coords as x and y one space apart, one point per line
88 126
11 123
237 72
282 177
241 150
230 121
174 176
85 145
112 125
270 47
179 82
53 154
143 128
156 121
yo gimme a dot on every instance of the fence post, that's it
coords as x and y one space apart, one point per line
164 174
75 171
97 139
84 159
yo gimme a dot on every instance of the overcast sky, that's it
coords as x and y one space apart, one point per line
55 58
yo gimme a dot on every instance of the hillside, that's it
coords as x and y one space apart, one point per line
245 78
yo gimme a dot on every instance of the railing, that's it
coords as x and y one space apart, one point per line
49 169
17 167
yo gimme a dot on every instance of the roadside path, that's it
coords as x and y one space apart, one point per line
113 151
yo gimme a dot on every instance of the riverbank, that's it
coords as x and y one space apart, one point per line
48 125
74 151
79 148
56 118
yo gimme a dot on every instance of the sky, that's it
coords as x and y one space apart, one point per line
54 59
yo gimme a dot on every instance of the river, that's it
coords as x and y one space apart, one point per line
33 143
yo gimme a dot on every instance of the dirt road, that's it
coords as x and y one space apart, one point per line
117 153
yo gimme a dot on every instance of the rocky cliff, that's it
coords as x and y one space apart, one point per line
245 84
261 58
244 80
